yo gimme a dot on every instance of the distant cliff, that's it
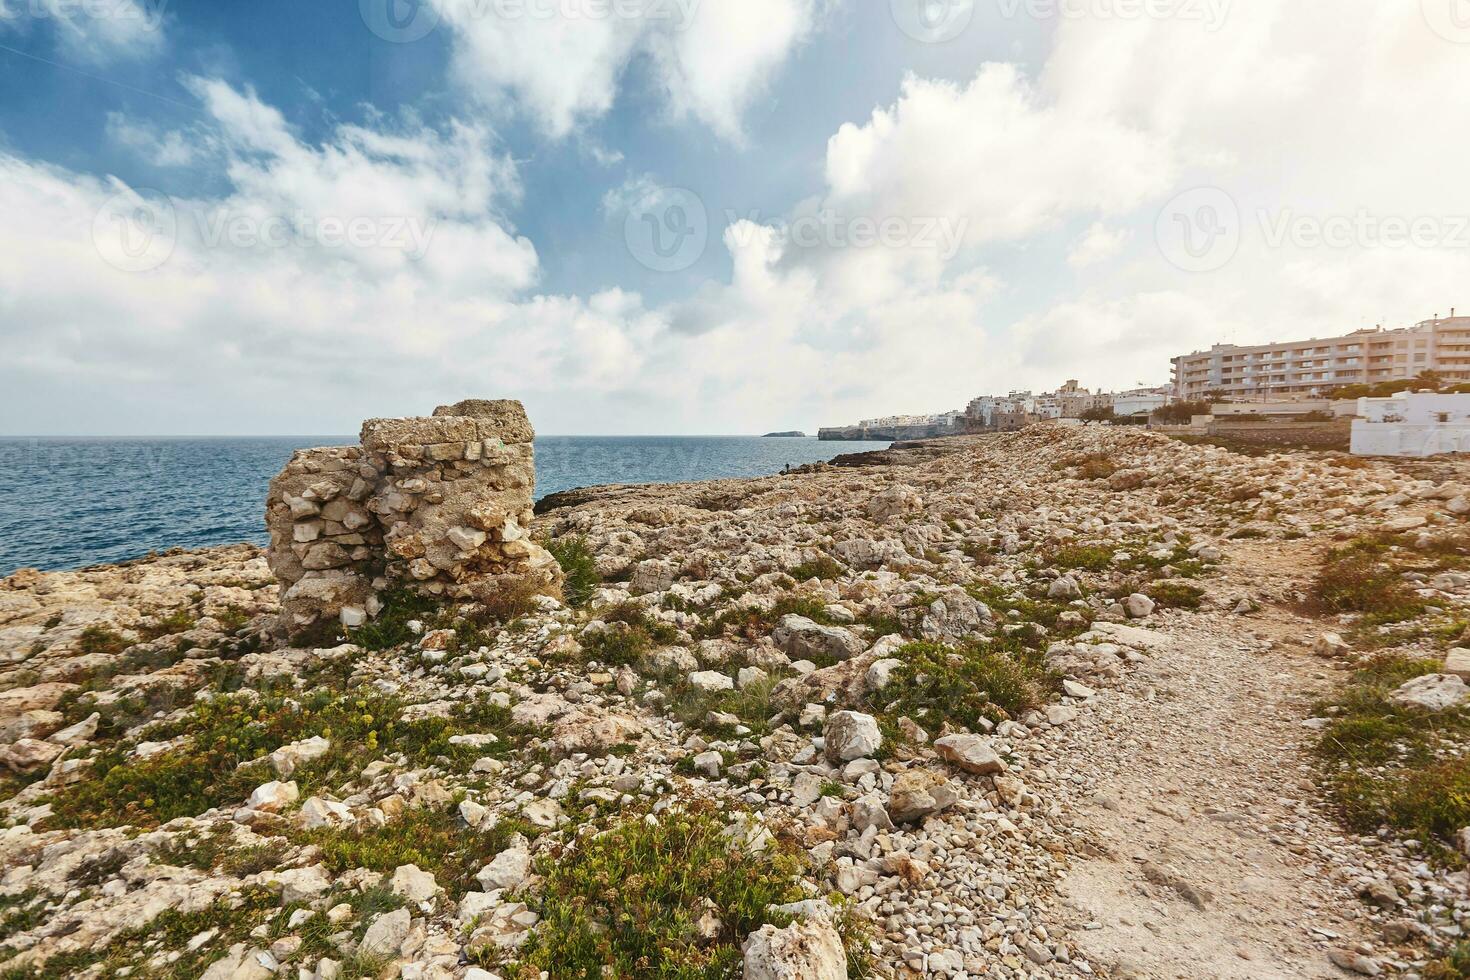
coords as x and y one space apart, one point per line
784 435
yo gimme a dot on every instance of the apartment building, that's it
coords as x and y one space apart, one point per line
1312 367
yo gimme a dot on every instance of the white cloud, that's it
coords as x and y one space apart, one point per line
97 33
563 63
997 151
1098 244
163 149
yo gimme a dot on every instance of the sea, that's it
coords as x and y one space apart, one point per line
72 502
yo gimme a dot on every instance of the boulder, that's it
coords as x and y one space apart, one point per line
851 735
955 615
802 639
1064 587
413 883
1432 692
385 934
1457 662
1138 606
807 950
710 681
918 793
972 753
509 869
652 575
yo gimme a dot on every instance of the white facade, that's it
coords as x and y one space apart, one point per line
1138 403
1412 424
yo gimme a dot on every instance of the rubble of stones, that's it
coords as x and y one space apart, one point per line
442 503
949 841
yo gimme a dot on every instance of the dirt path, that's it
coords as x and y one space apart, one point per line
1215 856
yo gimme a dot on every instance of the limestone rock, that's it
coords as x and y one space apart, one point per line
803 639
851 735
972 753
385 934
918 793
1432 692
807 950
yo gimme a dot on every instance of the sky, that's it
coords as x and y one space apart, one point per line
700 216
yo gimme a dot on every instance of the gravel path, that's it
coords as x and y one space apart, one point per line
1215 857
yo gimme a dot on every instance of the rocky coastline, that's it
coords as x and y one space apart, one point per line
1053 703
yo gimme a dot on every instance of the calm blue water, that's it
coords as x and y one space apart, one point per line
65 503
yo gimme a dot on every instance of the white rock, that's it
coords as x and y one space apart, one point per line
1432 692
1075 690
509 869
809 950
385 934
880 675
1064 587
413 883
77 734
851 735
710 681
1138 606
319 812
285 759
801 638
749 676
1456 662
972 753
273 796
301 884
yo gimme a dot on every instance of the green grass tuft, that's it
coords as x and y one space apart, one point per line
579 566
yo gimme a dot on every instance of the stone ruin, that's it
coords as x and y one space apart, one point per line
438 504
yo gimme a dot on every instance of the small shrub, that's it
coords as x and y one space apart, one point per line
100 639
390 628
578 565
435 840
821 567
1358 578
1454 966
1385 765
227 731
961 685
626 902
1091 557
1176 595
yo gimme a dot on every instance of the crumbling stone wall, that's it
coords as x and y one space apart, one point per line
439 504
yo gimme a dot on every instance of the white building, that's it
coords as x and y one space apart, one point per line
1308 368
1138 402
1415 424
